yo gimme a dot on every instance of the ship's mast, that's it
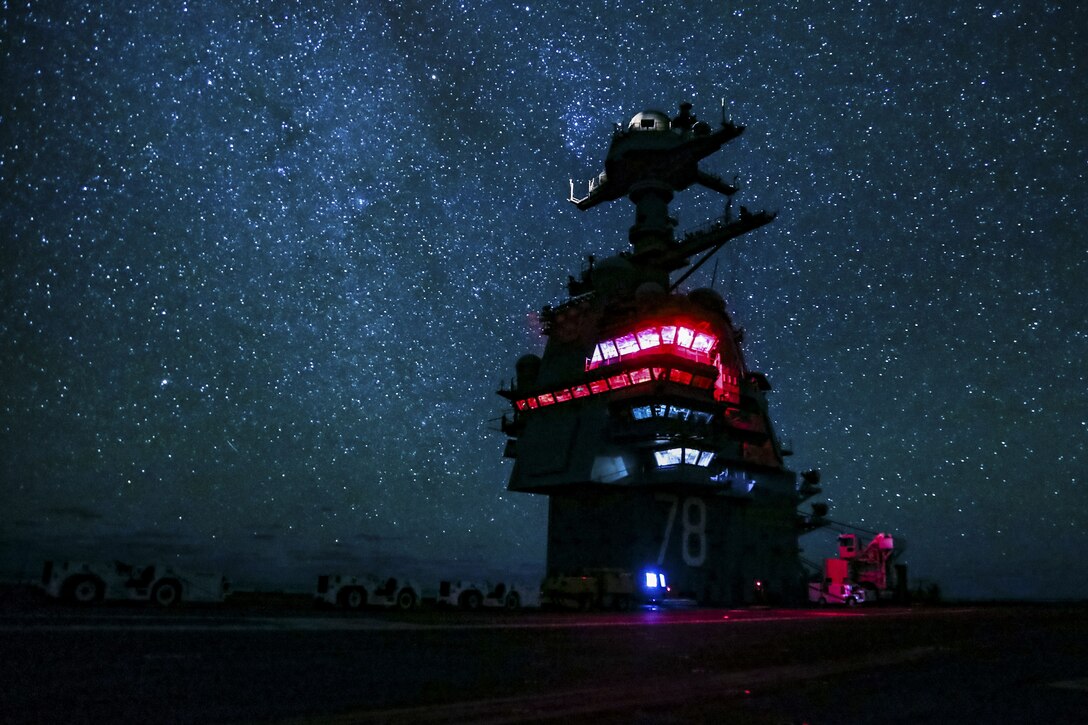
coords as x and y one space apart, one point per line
648 162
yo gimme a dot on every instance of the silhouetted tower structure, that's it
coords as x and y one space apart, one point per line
641 421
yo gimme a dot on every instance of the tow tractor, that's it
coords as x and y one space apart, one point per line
859 574
88 583
604 589
473 595
356 592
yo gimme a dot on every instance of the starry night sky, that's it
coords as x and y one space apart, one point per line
264 266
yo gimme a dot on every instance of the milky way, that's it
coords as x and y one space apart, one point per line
264 270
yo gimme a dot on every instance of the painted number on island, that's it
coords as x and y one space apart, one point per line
693 528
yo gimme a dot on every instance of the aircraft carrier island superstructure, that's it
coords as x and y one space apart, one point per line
641 421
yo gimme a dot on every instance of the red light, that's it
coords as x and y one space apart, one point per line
702 344
686 342
618 381
680 376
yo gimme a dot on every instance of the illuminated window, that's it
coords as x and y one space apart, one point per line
651 579
618 381
664 410
702 343
680 376
685 342
661 580
688 456
684 336
678 413
649 338
627 344
669 457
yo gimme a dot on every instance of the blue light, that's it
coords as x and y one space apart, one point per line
654 580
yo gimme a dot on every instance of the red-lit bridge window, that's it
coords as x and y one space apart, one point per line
681 339
638 376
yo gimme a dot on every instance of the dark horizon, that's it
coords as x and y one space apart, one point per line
263 274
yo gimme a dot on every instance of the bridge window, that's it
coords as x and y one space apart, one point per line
627 344
680 340
649 338
639 376
688 456
676 412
